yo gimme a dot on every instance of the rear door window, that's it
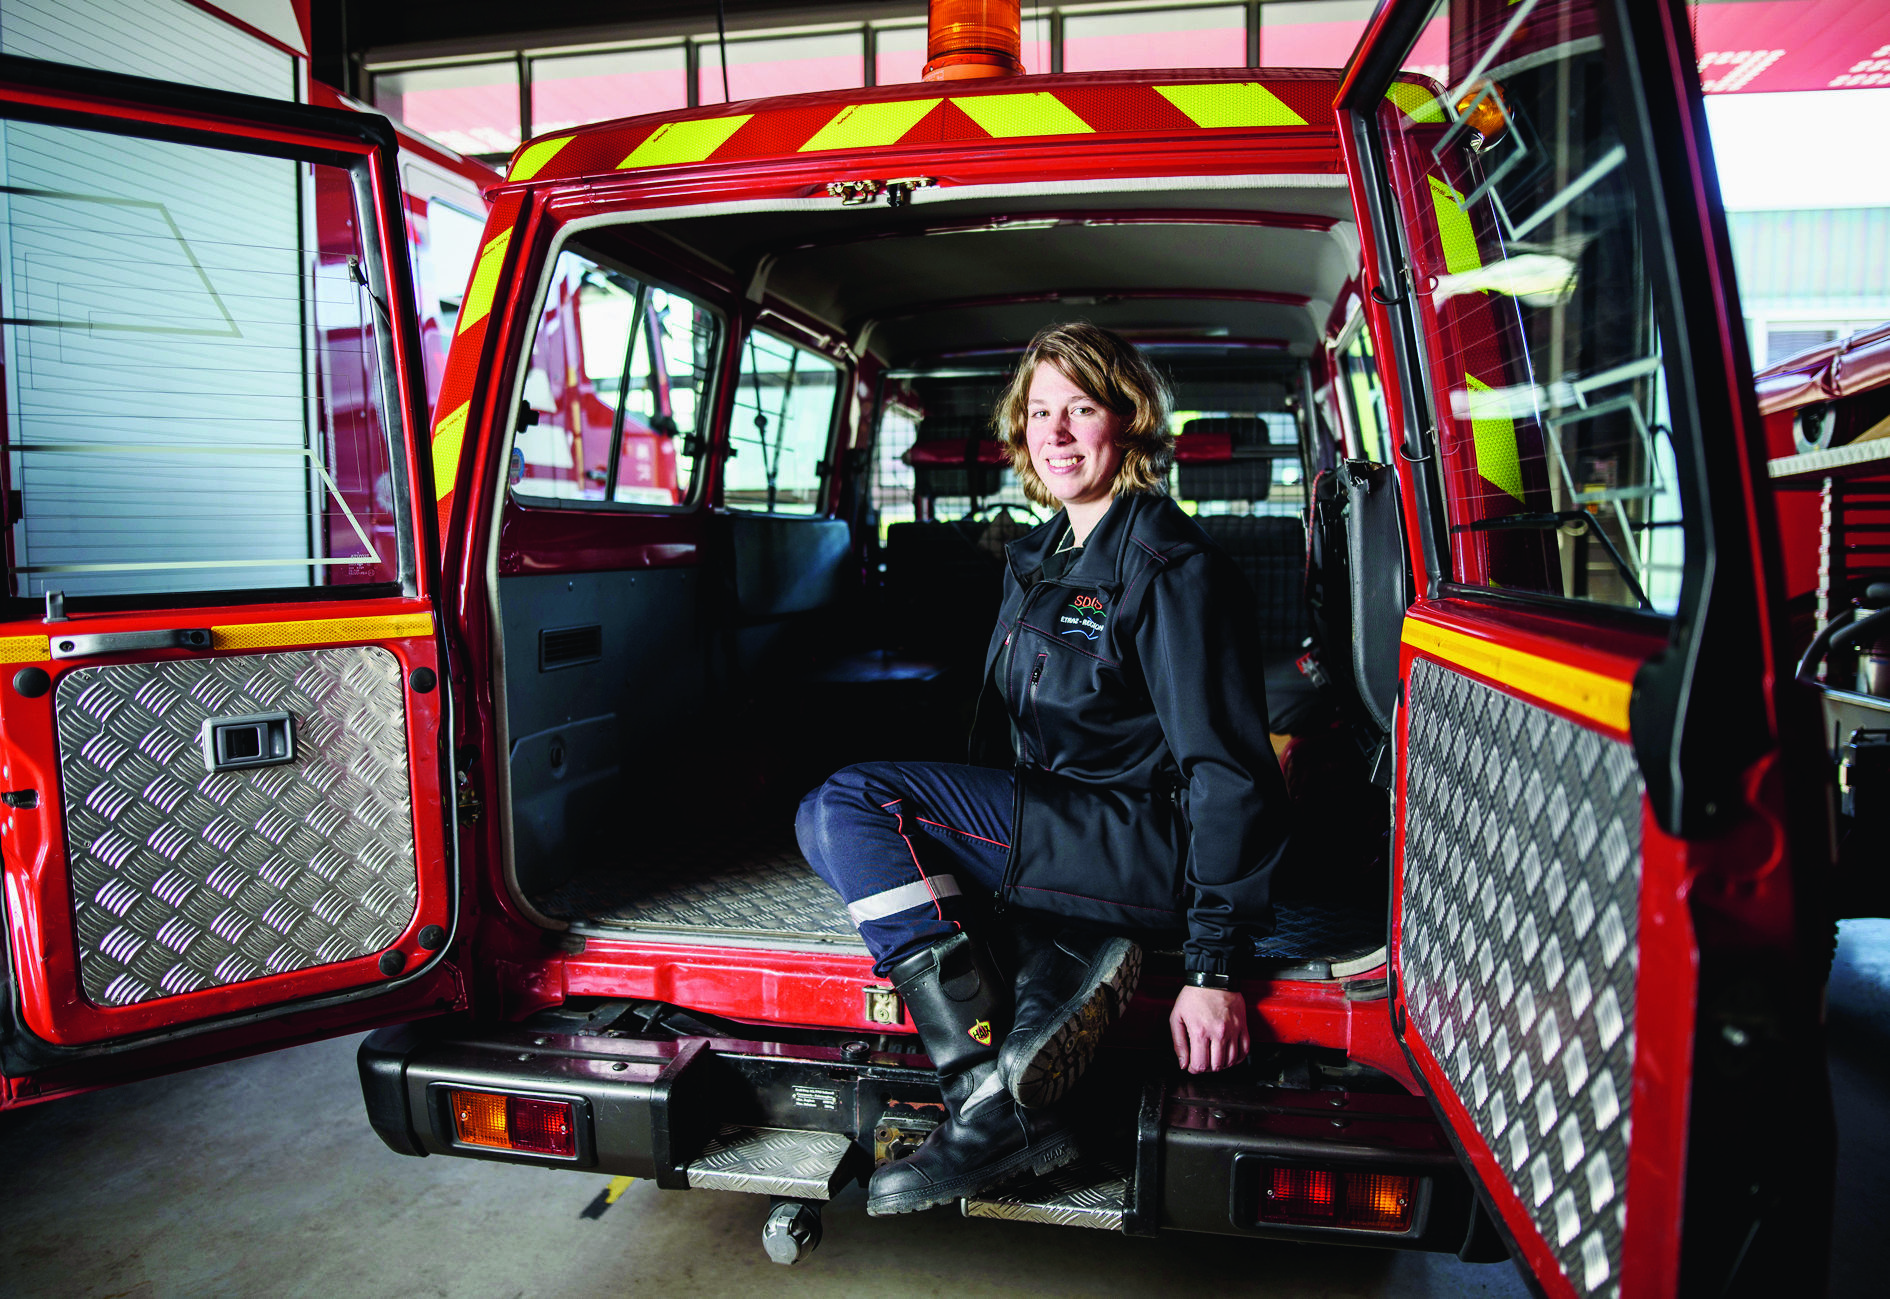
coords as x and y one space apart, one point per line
613 391
199 386
1546 366
785 400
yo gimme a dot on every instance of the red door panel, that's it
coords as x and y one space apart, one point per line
221 714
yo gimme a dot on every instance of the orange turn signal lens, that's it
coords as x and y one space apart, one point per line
513 1123
1377 1201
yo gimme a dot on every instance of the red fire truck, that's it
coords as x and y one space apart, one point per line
1460 386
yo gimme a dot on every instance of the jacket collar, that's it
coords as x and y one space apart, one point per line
1101 557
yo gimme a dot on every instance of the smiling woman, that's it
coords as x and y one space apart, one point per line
1141 795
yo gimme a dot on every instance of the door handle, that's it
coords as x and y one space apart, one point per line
126 642
251 740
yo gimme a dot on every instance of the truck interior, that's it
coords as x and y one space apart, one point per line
687 653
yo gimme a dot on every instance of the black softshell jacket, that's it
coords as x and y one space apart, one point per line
1148 796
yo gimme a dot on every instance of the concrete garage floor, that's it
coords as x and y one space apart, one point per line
262 1177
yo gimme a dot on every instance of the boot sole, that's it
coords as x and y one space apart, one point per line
1040 1160
1063 1052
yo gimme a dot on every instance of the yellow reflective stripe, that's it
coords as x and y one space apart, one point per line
485 282
1587 694
1498 461
1247 103
321 631
1035 113
532 159
1454 232
1417 103
870 126
448 435
24 649
675 142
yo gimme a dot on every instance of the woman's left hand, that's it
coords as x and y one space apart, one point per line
1209 1026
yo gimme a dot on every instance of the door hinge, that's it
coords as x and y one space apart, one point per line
469 805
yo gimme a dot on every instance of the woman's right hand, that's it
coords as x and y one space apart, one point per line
1209 1027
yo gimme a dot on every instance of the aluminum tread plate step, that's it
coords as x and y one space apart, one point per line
747 883
772 1161
1088 1193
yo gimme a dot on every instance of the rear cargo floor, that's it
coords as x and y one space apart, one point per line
744 883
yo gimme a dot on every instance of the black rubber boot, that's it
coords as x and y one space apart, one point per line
1071 985
959 1007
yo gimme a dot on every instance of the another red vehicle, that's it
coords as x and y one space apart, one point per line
1461 386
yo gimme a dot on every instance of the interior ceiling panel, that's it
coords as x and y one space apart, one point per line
928 291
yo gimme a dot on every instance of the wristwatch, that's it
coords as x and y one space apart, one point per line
1203 979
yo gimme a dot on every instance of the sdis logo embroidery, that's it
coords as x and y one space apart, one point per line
1084 616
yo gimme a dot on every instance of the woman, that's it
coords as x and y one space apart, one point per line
1135 790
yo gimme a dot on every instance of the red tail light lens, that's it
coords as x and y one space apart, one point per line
1317 1197
513 1123
1300 1195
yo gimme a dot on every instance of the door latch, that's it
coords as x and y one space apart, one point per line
252 740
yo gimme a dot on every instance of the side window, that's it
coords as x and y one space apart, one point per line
612 389
198 386
446 240
785 399
1514 196
1365 396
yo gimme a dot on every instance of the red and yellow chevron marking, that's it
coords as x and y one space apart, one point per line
454 405
1002 112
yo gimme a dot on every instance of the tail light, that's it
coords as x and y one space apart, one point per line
973 38
1319 1197
521 1123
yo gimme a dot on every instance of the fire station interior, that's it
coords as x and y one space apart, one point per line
664 722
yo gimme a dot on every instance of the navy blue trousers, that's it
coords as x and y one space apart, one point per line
913 848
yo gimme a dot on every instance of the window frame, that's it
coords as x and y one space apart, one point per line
709 404
1411 353
794 335
385 262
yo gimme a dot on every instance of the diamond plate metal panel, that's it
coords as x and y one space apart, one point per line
183 880
735 880
770 1161
1085 1194
1521 894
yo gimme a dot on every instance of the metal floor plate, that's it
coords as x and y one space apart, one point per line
746 883
1086 1194
771 1161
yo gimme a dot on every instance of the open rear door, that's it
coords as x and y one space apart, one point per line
221 712
1605 937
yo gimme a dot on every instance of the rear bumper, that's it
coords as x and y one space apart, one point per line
1193 1156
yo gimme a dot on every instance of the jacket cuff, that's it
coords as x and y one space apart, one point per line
1195 960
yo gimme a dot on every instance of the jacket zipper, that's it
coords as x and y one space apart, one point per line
1036 718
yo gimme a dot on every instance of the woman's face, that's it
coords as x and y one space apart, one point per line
1072 438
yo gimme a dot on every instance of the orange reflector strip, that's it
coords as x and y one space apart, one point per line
479 1119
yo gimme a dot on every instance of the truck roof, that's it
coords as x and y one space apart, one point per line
888 121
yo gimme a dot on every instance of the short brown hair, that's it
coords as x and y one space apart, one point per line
1113 371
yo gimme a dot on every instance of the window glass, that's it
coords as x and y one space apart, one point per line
445 243
785 399
1550 387
1161 38
471 107
668 389
616 361
575 89
782 66
898 55
1312 33
196 391
1365 396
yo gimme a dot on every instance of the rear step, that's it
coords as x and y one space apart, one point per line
1086 1194
775 1161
